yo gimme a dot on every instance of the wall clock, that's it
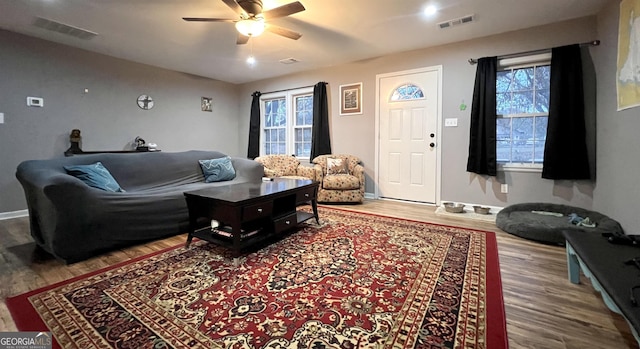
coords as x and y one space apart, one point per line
145 102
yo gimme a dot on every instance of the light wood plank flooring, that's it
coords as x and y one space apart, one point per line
544 310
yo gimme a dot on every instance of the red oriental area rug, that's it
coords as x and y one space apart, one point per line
355 281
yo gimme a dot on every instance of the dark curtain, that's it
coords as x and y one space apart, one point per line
320 142
482 136
565 152
253 150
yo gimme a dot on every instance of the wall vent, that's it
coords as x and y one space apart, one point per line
63 28
290 60
457 21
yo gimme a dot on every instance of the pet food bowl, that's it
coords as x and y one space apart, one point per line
481 209
452 207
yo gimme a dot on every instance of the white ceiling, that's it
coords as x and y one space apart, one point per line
334 31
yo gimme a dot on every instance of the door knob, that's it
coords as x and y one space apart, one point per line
432 144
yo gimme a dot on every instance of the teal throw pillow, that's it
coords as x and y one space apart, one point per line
95 175
216 170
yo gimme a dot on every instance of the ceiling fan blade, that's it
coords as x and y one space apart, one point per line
195 19
251 7
242 39
235 7
283 32
284 10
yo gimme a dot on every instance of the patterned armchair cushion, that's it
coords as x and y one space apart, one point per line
351 161
341 182
337 166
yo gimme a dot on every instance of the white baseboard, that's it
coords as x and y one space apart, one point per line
369 196
14 214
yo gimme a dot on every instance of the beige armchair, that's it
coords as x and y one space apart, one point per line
341 178
287 166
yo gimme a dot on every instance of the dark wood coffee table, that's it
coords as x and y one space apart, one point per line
249 213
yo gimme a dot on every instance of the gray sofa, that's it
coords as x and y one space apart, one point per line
74 221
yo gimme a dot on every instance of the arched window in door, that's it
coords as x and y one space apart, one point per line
407 92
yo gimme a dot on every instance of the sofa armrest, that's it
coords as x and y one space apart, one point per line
318 173
247 170
358 171
270 173
306 171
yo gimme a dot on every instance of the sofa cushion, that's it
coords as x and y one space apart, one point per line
341 182
217 170
95 175
337 166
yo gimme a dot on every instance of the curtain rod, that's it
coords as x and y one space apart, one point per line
512 55
291 89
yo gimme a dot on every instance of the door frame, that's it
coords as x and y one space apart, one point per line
438 170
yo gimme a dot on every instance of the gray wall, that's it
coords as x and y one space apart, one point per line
618 191
110 119
108 115
356 134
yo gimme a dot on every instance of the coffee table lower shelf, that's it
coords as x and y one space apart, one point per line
256 237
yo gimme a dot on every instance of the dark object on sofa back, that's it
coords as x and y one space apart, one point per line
74 221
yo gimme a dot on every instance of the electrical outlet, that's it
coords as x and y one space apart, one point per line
35 102
504 188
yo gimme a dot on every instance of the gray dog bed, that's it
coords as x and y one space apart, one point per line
521 220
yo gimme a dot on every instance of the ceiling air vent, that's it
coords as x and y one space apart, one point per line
63 28
289 61
457 21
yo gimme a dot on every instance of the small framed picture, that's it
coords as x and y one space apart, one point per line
206 104
351 99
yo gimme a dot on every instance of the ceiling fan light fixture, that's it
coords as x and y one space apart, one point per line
250 27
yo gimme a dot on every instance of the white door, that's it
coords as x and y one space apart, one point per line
408 118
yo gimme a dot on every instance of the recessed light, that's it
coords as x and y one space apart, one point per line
430 10
251 60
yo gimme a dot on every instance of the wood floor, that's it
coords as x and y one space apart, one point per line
544 310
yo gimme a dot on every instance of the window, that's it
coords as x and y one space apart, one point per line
407 92
287 120
522 107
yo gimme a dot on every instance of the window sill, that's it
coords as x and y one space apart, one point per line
520 168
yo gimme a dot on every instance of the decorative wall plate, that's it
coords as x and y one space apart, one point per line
145 102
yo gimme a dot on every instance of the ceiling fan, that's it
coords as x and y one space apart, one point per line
252 21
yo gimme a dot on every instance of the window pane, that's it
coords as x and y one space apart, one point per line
503 103
503 81
541 127
503 128
538 151
503 151
522 102
522 151
542 101
407 92
282 148
308 118
522 79
543 75
522 128
307 134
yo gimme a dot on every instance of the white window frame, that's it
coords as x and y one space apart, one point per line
290 98
517 63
